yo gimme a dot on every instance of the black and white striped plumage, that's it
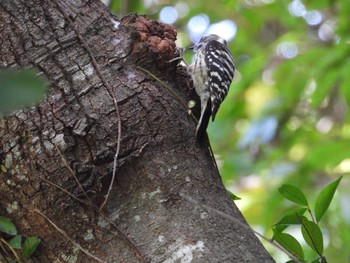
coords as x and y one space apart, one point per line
212 72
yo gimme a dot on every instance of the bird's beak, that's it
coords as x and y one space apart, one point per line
189 48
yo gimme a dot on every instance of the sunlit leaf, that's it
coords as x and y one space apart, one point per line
293 193
6 226
325 198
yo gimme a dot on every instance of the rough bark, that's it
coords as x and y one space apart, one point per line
90 58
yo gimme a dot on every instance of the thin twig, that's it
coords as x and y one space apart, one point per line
69 238
108 88
12 250
114 161
125 238
96 209
312 216
71 171
65 191
165 85
230 218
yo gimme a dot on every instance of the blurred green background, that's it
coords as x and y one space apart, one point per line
286 118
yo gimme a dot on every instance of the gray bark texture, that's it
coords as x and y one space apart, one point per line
57 158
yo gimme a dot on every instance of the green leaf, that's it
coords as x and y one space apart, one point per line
19 89
290 219
324 199
289 243
191 104
16 242
233 196
294 194
29 246
6 226
312 235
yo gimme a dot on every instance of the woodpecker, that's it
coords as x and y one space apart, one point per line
212 71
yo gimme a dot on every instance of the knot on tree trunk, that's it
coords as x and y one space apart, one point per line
152 44
158 37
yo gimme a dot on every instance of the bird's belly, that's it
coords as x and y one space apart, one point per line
199 78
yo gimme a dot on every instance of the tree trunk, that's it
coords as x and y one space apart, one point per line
113 95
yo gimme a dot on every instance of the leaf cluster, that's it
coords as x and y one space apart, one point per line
11 242
310 228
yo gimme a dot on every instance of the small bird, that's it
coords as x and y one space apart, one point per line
212 71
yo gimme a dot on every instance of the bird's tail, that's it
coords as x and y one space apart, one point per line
203 123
